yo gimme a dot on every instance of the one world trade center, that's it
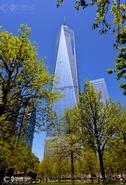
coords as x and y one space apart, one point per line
66 77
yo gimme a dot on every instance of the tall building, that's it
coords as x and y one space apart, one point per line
26 125
100 86
31 128
66 80
66 77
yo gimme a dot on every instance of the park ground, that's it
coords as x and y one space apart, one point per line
68 183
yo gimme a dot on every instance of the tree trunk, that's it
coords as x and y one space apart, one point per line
5 92
98 179
2 173
59 177
72 167
92 180
102 170
2 109
59 171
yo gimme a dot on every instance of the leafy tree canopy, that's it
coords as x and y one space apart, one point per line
24 78
24 81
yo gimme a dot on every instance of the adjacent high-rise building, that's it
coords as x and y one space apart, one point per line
26 126
100 86
31 128
66 80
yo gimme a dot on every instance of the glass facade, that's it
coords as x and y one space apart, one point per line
100 86
26 128
31 128
66 79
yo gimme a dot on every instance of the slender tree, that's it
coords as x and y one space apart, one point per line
96 121
116 148
71 135
66 142
88 162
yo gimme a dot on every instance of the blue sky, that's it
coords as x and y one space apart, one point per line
94 52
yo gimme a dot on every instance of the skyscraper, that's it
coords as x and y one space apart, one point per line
26 125
100 86
66 80
66 77
31 128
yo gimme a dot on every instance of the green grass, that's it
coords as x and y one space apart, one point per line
62 183
65 183
68 183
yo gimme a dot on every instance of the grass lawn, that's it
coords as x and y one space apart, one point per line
69 183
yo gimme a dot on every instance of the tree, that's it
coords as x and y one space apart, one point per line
116 148
45 168
88 162
115 162
28 161
54 166
96 121
110 15
24 77
121 127
24 80
69 139
18 159
65 144
72 138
